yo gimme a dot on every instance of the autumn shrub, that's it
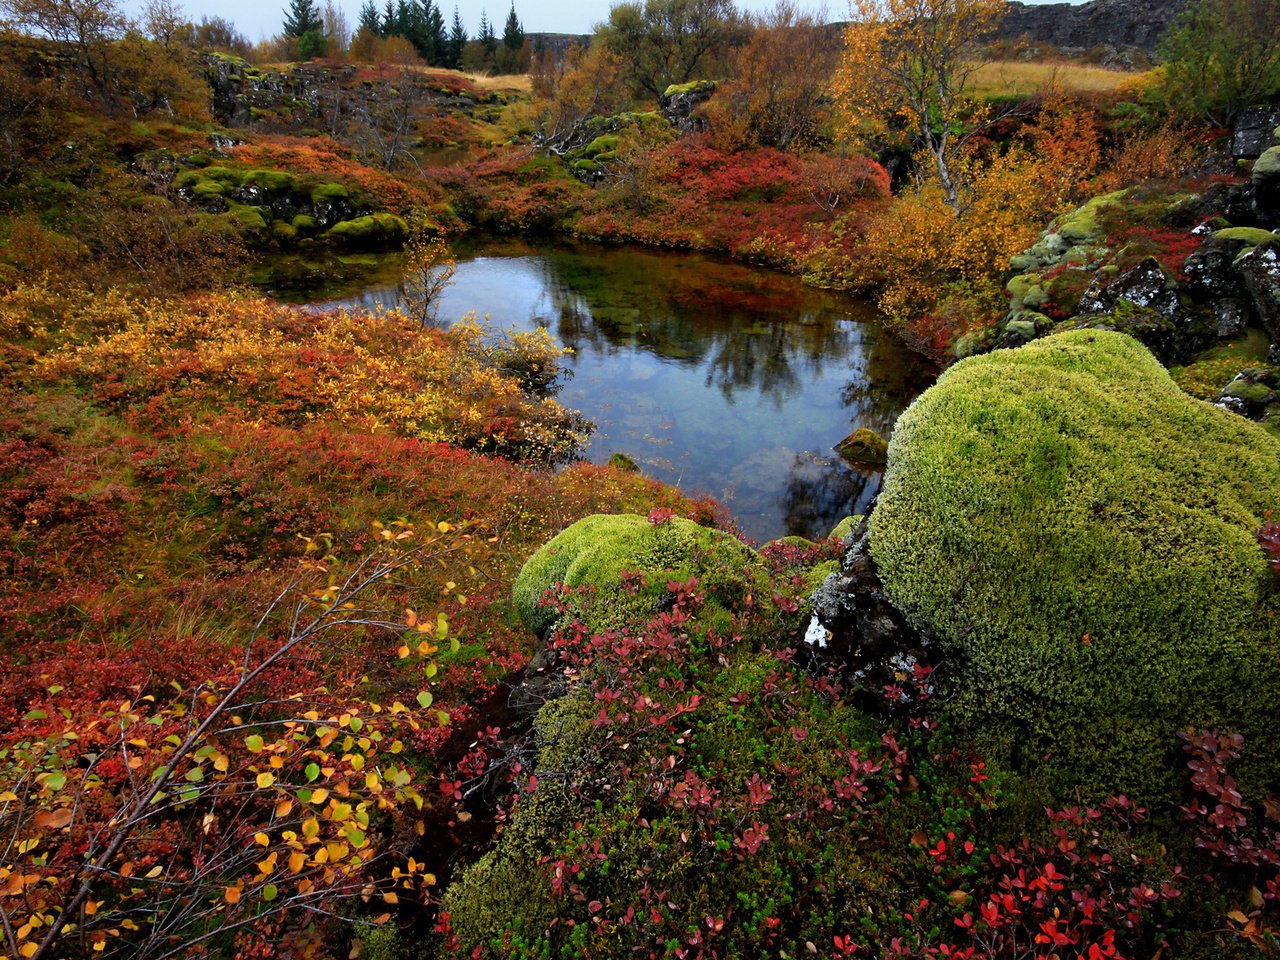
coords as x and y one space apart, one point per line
287 367
1079 535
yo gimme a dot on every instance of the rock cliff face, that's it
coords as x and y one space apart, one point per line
1099 23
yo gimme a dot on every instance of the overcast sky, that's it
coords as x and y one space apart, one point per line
258 19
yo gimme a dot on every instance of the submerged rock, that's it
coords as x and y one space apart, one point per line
864 446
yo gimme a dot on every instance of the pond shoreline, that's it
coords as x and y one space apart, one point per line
717 377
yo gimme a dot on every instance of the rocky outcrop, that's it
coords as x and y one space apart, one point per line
311 94
1230 282
679 102
1255 128
859 626
1100 23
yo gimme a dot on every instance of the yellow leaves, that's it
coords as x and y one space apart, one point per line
297 860
261 839
265 780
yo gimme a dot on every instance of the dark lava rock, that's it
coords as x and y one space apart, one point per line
1250 393
1231 317
1210 275
679 102
1255 131
1233 202
1266 187
1260 269
1145 285
1099 23
1145 304
864 629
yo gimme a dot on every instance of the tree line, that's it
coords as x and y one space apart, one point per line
420 23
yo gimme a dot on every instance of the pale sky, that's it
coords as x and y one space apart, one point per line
259 19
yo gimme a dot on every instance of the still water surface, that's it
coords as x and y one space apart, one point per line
714 376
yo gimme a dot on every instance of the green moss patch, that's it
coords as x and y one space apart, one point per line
1079 535
329 191
374 228
278 181
594 552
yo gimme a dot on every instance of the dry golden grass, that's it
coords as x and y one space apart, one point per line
517 82
1015 78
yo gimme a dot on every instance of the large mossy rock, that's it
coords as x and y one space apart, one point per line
595 551
1078 534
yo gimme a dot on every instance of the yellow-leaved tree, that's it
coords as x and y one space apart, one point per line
911 59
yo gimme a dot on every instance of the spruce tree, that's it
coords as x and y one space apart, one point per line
390 27
439 35
486 37
513 32
369 19
417 29
405 19
457 40
302 17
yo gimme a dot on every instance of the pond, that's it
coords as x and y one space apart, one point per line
714 376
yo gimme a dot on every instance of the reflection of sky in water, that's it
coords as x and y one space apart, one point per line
713 376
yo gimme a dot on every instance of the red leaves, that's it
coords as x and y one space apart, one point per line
660 515
1268 536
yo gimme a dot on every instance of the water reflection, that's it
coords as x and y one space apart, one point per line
715 376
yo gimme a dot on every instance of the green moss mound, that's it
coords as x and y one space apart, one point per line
375 228
596 550
1250 235
329 191
278 181
1080 533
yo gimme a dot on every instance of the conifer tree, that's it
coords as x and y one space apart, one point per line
457 40
390 26
438 36
301 18
513 32
369 19
405 18
486 37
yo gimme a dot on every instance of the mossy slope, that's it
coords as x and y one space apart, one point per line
1081 534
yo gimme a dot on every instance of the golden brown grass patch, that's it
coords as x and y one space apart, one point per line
1014 78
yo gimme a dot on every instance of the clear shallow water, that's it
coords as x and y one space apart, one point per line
713 376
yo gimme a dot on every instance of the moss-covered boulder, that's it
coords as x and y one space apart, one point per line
1078 534
596 551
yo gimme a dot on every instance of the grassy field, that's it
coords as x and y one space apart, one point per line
1014 77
